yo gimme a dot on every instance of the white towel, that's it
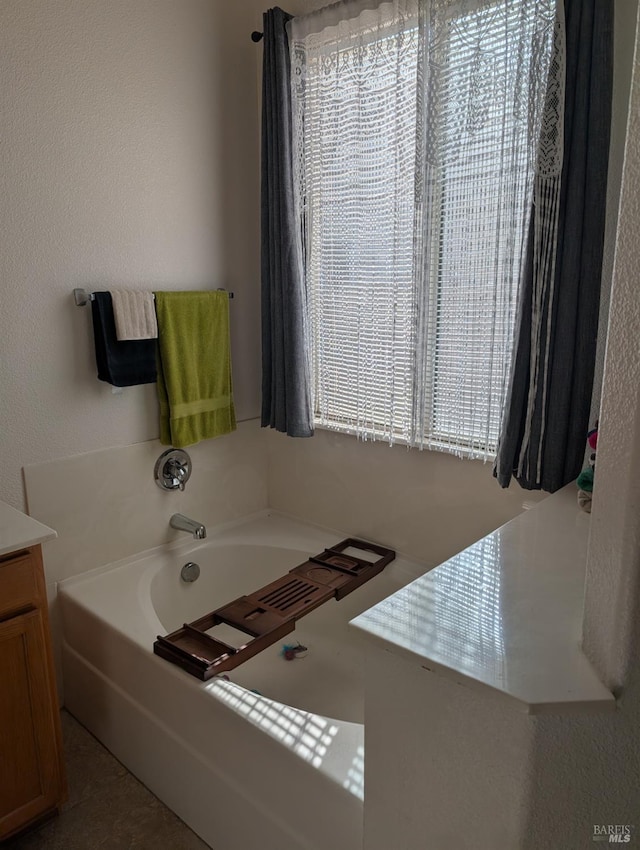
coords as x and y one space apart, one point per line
135 314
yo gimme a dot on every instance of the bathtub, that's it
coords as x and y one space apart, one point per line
274 757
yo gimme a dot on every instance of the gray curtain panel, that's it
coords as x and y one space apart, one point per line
286 396
558 430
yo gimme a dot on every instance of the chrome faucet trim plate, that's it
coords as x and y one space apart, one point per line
172 469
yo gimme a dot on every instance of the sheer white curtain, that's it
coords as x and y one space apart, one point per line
416 127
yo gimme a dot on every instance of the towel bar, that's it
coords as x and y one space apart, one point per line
82 297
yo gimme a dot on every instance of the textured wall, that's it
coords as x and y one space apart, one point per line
129 158
625 13
614 558
612 603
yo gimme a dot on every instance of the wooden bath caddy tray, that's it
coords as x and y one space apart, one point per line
268 614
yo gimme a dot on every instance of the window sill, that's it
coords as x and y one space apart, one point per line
434 445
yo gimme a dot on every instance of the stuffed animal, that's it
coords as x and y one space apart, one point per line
586 477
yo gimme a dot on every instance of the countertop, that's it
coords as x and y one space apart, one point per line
505 613
17 530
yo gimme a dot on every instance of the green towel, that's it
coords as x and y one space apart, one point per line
194 367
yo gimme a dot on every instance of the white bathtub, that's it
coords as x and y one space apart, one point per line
281 769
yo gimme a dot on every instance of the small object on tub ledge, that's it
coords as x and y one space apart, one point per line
269 614
584 500
122 364
194 367
586 478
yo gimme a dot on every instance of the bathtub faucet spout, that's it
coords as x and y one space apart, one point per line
183 523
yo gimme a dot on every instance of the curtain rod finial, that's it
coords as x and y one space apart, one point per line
256 36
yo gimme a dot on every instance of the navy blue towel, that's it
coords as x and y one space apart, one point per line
126 363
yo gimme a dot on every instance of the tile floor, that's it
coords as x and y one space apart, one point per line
107 809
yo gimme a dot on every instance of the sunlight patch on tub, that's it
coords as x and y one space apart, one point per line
308 735
355 776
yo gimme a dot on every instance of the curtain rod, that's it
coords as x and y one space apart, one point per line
256 36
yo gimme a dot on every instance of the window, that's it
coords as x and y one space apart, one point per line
416 140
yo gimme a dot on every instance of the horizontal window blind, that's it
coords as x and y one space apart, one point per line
358 166
415 136
485 163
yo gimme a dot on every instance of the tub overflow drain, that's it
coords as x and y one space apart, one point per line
190 571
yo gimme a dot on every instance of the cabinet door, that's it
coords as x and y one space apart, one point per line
29 771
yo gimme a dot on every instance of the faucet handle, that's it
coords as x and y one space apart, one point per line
176 473
172 470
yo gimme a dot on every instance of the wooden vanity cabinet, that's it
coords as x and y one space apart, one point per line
32 780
